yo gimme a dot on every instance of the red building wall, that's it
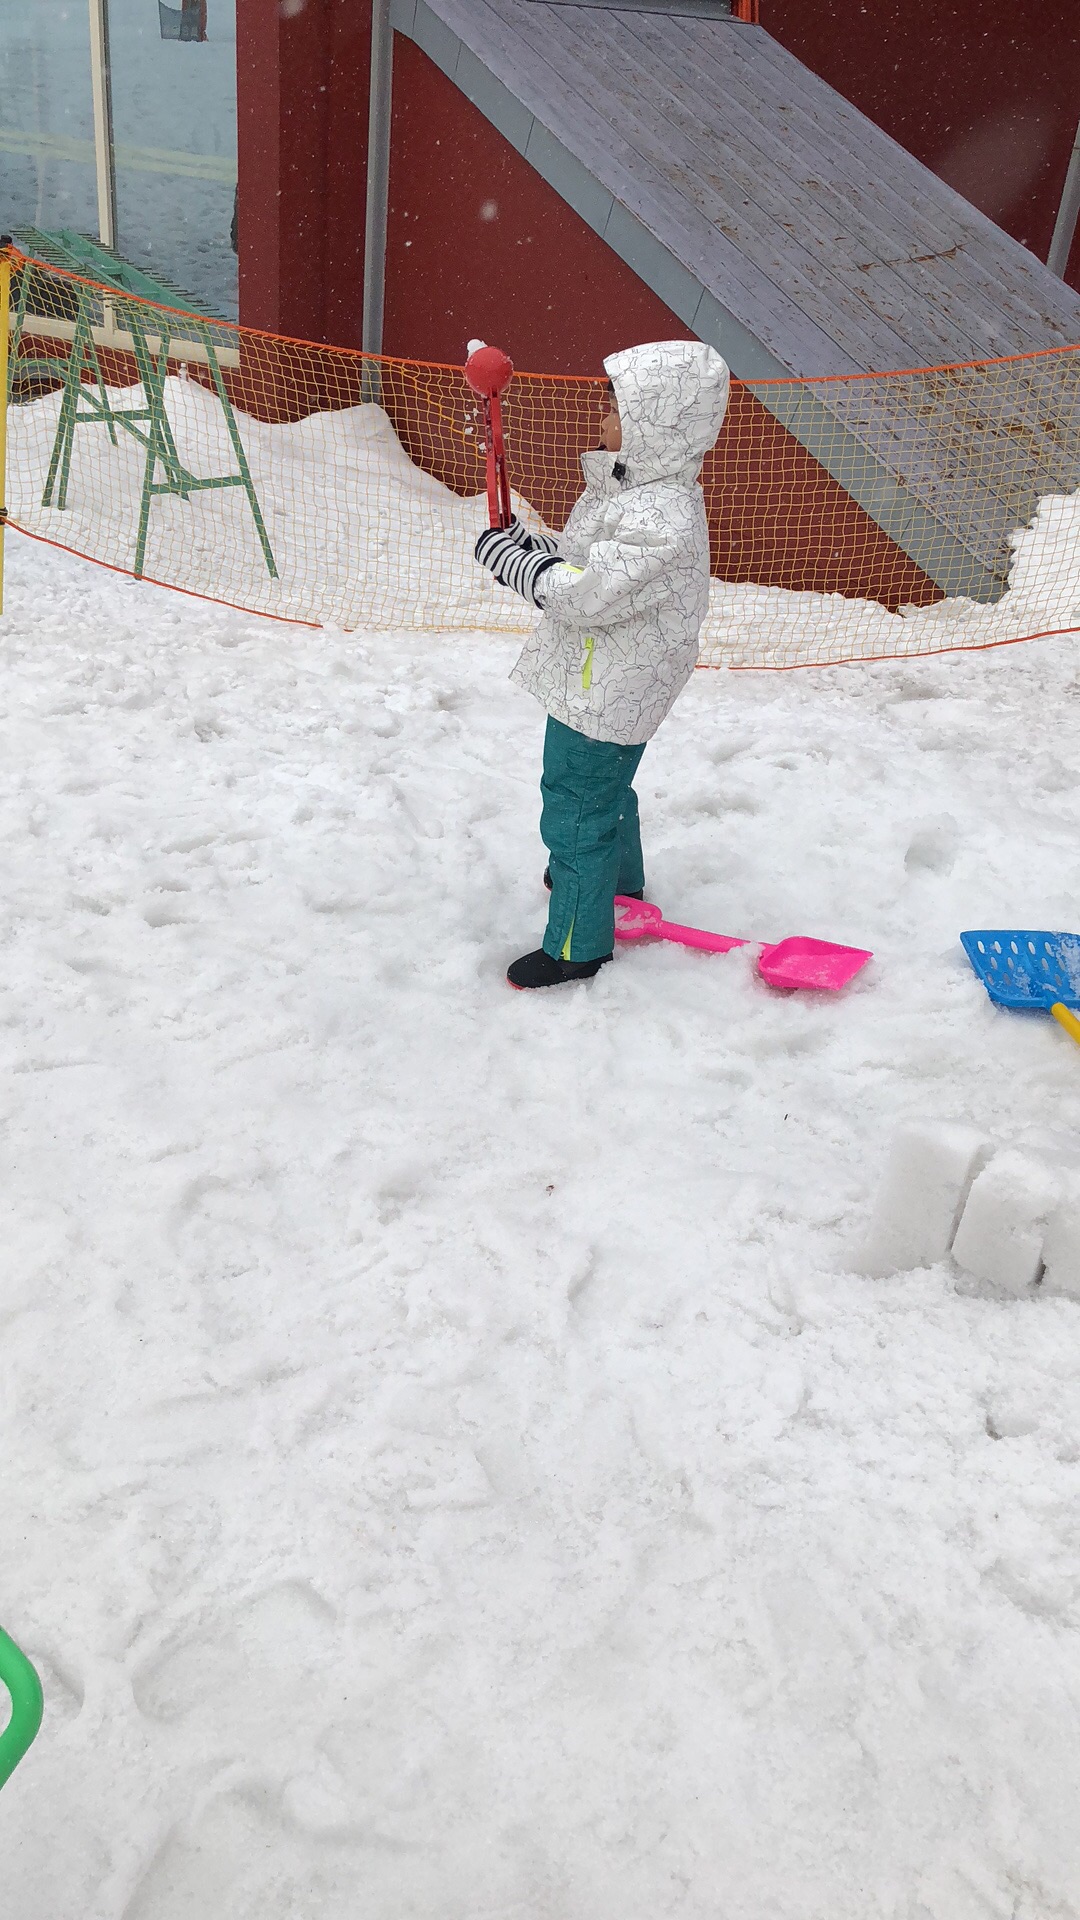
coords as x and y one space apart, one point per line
302 108
984 92
481 246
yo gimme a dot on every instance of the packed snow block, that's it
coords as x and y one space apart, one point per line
1061 1248
1004 1225
928 1176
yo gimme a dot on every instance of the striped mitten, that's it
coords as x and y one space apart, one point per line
514 565
532 542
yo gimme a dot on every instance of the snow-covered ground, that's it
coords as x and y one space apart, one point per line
454 1469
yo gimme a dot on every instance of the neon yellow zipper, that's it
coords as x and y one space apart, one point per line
586 665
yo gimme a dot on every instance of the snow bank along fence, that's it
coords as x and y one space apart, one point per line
321 485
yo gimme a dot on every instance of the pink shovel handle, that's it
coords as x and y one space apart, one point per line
694 937
640 920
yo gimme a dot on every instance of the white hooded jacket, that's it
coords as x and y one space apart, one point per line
618 637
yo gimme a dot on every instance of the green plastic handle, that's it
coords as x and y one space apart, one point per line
27 1705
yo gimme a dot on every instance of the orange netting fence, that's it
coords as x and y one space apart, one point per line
878 516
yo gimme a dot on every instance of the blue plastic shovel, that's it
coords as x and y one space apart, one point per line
1032 971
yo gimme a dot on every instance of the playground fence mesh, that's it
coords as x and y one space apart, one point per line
876 516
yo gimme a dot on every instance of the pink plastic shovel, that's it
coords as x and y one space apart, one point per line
790 963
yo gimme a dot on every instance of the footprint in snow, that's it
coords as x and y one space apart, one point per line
933 846
242 1673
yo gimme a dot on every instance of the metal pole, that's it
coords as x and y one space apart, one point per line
101 85
1068 213
378 174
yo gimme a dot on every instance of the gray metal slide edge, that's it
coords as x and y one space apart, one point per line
925 538
946 559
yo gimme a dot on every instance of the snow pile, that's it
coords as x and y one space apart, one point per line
453 1467
921 1200
359 534
362 537
755 626
1004 1224
1008 1218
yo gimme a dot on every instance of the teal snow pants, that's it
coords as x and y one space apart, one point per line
589 826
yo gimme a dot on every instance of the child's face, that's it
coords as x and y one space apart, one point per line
611 425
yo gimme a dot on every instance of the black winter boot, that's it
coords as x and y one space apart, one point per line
540 970
622 896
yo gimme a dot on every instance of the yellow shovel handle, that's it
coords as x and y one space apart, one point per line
1067 1019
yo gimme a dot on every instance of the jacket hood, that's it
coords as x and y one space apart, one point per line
672 396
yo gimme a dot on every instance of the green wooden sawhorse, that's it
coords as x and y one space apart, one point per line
87 405
23 1685
46 367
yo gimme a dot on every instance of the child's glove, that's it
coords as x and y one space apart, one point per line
512 564
532 542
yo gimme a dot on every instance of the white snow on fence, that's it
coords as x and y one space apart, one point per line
362 537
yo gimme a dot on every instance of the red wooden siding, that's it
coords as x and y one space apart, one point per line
480 245
302 107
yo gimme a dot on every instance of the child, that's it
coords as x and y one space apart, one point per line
624 590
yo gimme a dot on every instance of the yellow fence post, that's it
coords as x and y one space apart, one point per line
5 329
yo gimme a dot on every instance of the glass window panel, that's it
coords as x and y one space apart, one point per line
174 131
47 174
